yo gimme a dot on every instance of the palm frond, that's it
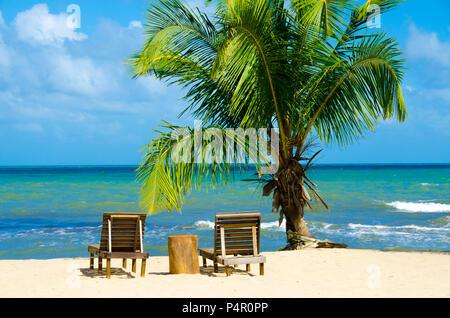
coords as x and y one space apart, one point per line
363 86
178 161
307 67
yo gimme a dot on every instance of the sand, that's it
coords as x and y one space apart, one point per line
305 273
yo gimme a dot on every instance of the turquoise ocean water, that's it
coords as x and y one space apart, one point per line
49 212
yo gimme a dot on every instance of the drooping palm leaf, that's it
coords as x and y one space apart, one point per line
174 164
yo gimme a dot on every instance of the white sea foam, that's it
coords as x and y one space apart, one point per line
426 184
273 226
84 233
269 226
51 231
404 227
420 206
204 224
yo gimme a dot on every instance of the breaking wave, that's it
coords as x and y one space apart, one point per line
404 227
203 224
269 226
429 207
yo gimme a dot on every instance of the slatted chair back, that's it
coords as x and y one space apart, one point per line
122 232
237 233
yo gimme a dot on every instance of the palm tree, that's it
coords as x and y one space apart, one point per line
310 68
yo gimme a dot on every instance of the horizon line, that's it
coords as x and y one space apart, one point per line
137 165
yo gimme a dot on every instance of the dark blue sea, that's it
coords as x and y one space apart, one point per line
51 212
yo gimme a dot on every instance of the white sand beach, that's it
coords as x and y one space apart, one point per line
305 273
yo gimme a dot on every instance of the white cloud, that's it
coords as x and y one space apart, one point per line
73 92
135 24
2 21
5 60
152 85
37 25
423 45
409 89
79 75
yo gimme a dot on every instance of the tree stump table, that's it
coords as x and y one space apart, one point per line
183 257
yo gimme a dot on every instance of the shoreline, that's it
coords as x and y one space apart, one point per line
275 251
302 273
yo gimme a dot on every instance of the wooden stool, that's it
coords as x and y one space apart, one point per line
183 257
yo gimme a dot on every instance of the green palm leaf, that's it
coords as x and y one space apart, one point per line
307 67
174 165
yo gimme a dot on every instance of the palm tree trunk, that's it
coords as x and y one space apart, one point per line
295 224
299 226
292 201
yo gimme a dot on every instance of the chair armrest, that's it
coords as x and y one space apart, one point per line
222 241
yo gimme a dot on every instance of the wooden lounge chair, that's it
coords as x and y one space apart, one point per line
236 241
122 237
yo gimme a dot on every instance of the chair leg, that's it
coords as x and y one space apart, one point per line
143 267
204 262
108 268
124 263
247 267
91 261
261 269
216 268
228 270
100 266
133 265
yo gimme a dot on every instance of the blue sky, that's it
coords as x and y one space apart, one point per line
67 98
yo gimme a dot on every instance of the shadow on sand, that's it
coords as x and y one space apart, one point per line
121 273
117 272
234 271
